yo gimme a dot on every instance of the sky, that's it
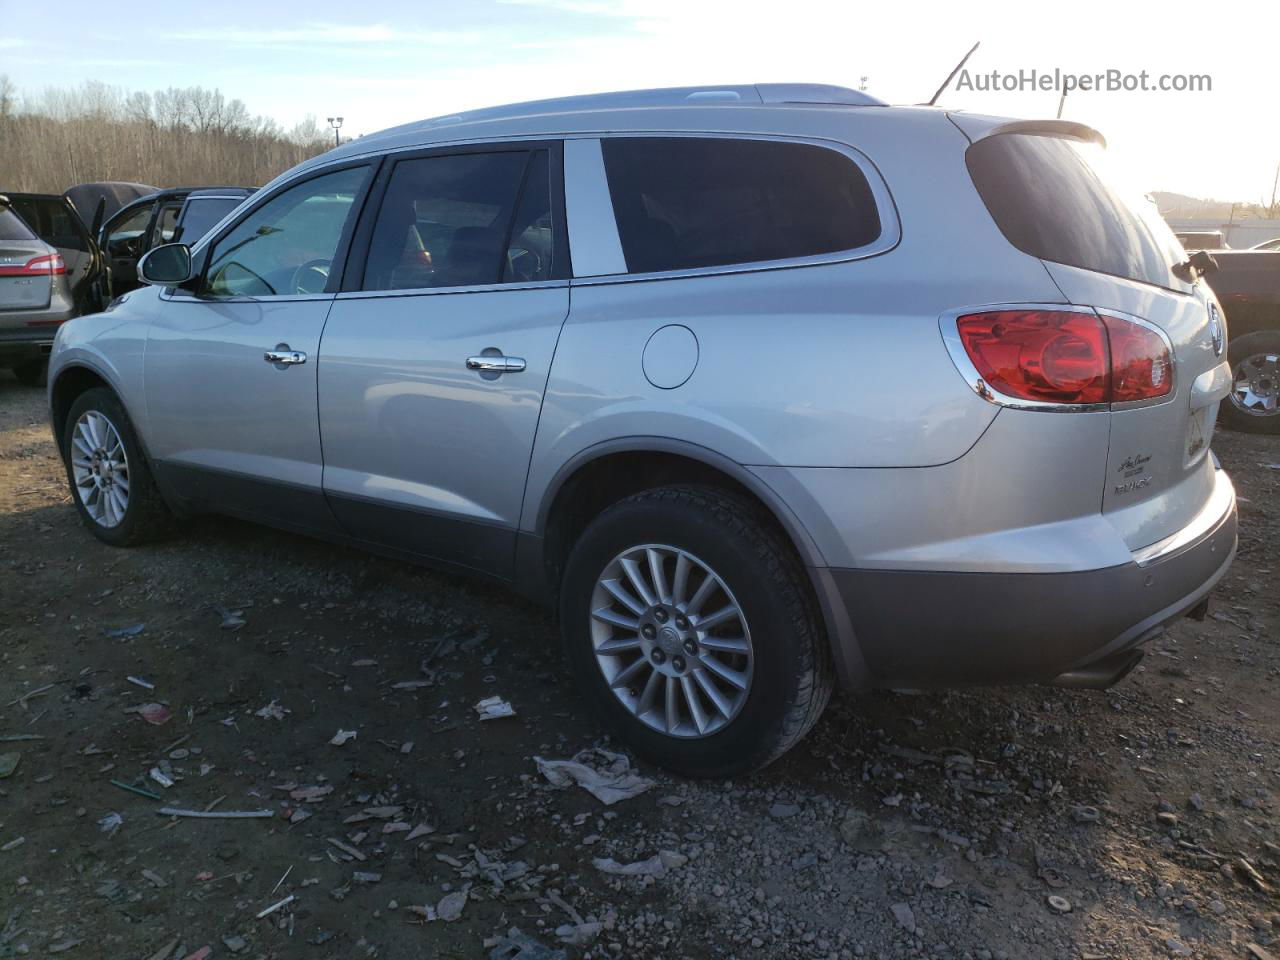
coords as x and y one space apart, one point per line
385 63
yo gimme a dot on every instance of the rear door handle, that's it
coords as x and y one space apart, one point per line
279 355
496 364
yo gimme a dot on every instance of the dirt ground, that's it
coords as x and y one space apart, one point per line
906 825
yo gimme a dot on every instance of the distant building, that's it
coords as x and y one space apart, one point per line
1238 235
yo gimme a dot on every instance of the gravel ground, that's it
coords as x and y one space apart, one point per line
1033 822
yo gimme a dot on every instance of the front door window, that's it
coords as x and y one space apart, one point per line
286 246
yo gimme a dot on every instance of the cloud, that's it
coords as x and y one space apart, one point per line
326 33
8 43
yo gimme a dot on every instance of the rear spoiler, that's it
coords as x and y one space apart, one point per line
979 128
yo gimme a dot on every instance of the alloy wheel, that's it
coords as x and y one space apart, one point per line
671 640
1255 389
100 467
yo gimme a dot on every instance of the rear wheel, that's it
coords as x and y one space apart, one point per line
1254 401
110 480
32 373
691 630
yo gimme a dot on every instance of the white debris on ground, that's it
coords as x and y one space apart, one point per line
607 776
494 708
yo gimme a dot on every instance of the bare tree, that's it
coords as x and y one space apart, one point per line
187 135
8 96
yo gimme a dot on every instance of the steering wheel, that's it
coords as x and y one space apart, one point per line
524 263
311 277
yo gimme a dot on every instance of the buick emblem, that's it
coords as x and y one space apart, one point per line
1215 330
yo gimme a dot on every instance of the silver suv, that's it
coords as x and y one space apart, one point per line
762 387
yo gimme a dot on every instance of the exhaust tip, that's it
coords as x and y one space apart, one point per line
1101 673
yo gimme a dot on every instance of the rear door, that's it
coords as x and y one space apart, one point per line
25 279
433 364
1106 247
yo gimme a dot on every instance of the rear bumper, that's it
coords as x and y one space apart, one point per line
915 628
31 342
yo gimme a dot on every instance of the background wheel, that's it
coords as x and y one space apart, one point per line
691 630
32 373
1254 401
110 480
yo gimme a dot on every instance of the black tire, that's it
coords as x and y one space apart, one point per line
32 373
145 516
1263 342
793 673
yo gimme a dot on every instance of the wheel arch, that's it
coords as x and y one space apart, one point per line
610 470
70 382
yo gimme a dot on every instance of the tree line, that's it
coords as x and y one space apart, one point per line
181 136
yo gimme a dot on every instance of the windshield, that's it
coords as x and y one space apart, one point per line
1062 200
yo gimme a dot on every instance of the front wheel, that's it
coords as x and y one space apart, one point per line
1254 402
691 629
110 480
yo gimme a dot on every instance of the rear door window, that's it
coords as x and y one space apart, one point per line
687 202
458 220
1059 200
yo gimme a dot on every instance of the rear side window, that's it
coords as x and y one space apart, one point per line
684 203
12 228
1057 200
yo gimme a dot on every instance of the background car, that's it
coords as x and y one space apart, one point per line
35 297
1202 240
96 202
161 217
55 221
1272 245
1247 283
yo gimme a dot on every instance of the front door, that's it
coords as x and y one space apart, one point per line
122 244
433 367
231 367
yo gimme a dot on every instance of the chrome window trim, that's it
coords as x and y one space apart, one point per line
960 357
890 223
435 291
165 294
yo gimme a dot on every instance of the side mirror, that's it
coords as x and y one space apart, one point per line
166 266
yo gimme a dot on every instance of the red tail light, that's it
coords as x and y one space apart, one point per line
37 267
1066 357
1141 368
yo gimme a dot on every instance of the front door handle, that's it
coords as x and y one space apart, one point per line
282 354
496 364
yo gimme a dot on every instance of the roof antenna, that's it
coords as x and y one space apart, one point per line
952 75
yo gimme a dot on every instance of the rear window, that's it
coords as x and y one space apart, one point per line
1056 199
12 228
53 221
684 203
